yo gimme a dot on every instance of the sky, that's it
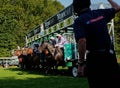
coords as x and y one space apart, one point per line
68 2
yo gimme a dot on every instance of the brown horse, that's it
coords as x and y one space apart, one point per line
22 58
27 58
34 58
53 56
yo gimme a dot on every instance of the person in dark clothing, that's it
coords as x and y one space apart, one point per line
35 50
91 34
52 41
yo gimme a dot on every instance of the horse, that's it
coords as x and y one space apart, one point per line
22 58
52 55
34 58
28 59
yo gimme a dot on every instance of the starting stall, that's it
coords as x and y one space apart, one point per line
62 23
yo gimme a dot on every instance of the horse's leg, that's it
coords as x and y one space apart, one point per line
46 68
37 61
56 67
28 61
21 62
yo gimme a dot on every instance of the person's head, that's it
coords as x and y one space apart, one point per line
36 45
58 36
80 5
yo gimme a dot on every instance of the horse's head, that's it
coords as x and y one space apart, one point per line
18 52
24 51
47 48
29 51
58 55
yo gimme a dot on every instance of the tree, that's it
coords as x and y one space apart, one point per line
117 33
18 17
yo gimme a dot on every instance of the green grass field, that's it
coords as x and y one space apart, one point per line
13 77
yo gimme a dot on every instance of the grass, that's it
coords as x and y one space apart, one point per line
13 77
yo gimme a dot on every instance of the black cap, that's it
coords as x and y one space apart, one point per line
79 5
36 45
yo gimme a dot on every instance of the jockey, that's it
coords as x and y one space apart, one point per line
35 49
52 41
60 41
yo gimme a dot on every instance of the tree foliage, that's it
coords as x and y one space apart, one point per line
18 17
117 33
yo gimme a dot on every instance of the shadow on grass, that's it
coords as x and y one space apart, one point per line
37 72
14 69
60 72
44 82
13 77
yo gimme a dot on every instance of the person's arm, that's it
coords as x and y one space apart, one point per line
62 41
82 49
81 59
114 5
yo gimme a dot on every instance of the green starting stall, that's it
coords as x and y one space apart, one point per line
62 23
